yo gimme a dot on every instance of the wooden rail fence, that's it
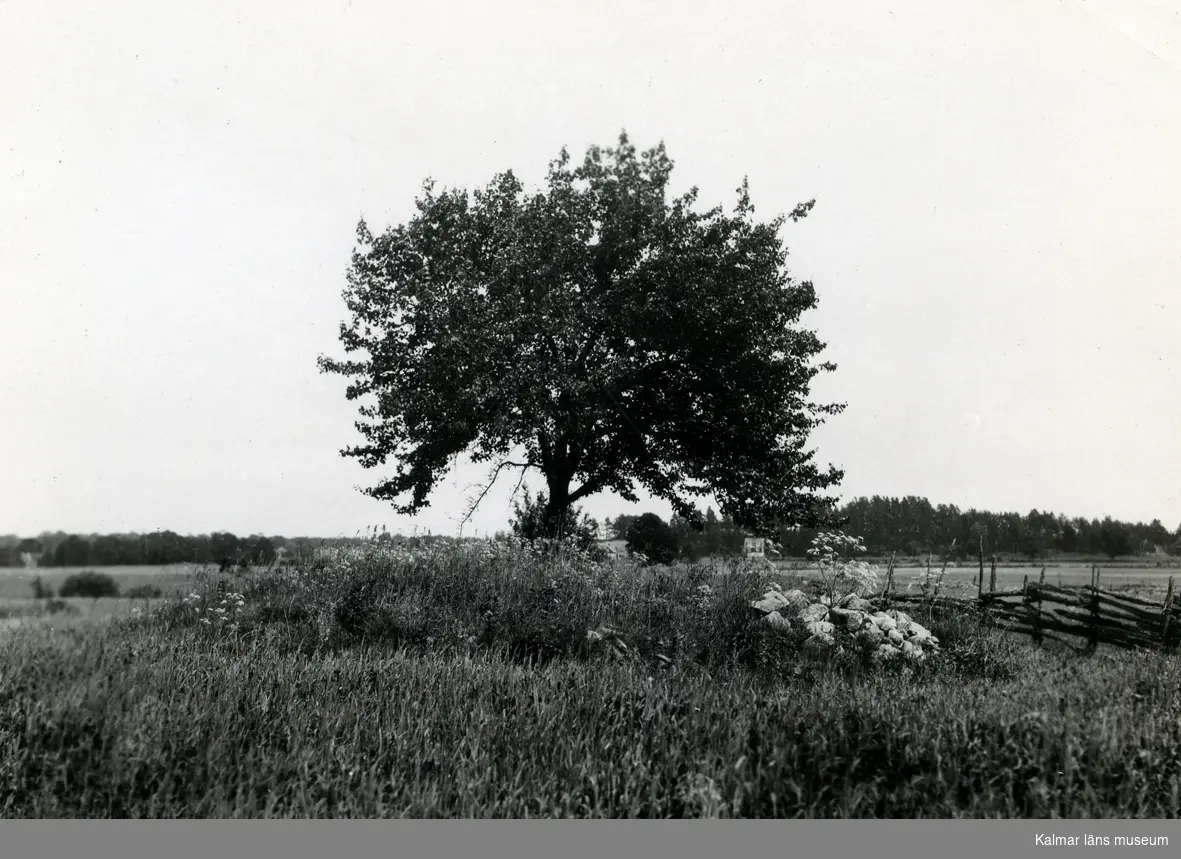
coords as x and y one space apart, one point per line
1088 612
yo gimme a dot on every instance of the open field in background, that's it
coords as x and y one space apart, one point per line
1142 578
73 611
1147 580
464 685
173 580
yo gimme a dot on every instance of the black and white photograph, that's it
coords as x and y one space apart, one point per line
567 410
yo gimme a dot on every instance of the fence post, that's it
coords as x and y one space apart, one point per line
980 581
1032 612
1093 644
1037 609
1168 615
992 576
890 574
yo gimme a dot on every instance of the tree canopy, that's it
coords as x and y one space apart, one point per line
653 538
593 331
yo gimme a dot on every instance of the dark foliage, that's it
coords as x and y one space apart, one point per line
89 584
595 332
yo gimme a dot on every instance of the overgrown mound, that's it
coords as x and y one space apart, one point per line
537 603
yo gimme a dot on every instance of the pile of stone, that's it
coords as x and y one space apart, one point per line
607 639
882 635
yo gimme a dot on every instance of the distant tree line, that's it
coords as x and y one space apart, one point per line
159 548
910 526
223 549
913 526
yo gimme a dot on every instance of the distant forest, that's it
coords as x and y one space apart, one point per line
910 526
914 527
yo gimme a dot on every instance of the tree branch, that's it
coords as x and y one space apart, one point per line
589 488
524 466
587 348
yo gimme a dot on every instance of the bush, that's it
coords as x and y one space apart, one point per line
652 537
529 523
41 591
89 584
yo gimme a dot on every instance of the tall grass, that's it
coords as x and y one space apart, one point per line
525 604
460 683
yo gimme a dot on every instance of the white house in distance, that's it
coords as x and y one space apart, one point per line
754 547
761 548
614 548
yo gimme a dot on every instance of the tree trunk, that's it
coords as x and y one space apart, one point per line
556 504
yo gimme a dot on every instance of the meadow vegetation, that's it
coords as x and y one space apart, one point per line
462 681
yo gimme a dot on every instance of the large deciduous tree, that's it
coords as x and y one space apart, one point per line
595 331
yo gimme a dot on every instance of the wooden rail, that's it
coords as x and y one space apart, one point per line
1088 612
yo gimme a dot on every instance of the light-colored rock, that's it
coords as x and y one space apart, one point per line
919 635
816 611
927 642
901 618
821 627
856 603
885 653
869 636
770 601
917 630
883 621
777 622
797 601
896 637
607 638
820 642
913 652
847 619
873 630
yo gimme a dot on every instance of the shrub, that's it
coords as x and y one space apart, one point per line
89 584
653 538
41 591
841 576
529 523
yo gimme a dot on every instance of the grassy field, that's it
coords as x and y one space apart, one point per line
1147 581
179 579
72 611
173 580
463 684
1144 579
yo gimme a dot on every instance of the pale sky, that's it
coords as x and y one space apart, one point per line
996 242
